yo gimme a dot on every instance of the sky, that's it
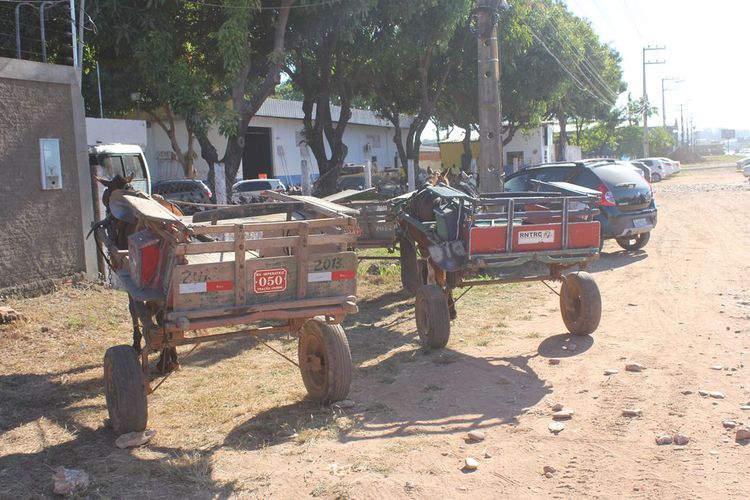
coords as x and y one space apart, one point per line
706 47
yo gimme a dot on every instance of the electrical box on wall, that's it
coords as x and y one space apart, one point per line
49 158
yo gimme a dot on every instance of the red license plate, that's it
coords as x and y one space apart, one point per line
269 280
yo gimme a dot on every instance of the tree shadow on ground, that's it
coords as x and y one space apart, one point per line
405 392
42 422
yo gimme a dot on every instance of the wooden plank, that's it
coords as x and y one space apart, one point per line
139 294
229 311
302 251
250 210
204 228
316 204
240 279
144 207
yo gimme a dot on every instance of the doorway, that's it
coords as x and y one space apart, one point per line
257 155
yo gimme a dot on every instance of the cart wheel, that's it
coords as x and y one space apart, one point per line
433 316
410 270
580 303
324 360
125 390
635 242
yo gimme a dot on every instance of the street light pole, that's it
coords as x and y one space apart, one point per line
645 98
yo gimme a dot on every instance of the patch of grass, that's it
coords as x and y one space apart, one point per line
192 468
483 341
372 464
533 335
74 323
432 387
378 407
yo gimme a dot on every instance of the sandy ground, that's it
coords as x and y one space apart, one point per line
234 422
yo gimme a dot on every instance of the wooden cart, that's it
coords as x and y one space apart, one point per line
250 270
498 238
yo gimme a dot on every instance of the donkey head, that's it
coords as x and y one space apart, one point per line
113 184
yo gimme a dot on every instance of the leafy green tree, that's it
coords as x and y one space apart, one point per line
415 51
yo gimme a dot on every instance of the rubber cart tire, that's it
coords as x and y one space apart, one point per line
325 360
580 303
433 316
410 271
635 242
125 390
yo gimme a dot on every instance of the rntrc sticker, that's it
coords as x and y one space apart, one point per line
536 236
206 286
269 280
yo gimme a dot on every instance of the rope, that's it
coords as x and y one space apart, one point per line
553 290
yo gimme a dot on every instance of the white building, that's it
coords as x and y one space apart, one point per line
272 144
527 147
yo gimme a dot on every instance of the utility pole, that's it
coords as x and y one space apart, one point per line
663 106
490 126
682 127
645 97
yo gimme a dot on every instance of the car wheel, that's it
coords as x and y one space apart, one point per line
634 242
655 177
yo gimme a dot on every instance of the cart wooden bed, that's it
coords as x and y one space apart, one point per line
260 269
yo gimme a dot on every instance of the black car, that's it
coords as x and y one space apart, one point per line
178 190
626 204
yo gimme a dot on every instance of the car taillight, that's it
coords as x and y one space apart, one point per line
209 193
607 199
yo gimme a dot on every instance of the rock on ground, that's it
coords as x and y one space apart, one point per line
9 315
476 436
343 404
471 463
742 434
664 439
681 439
132 439
634 367
556 427
70 482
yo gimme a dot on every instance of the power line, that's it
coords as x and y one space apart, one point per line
588 48
561 40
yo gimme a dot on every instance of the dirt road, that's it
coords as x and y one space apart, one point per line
233 421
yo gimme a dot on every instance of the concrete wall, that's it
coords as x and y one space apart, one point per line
531 144
42 231
287 156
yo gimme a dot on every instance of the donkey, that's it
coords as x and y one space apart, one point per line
421 206
118 231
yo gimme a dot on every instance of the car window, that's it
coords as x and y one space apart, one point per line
517 183
253 186
618 174
133 165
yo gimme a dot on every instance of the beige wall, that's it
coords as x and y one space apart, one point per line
41 231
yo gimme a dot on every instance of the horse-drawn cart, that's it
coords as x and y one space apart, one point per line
278 267
466 241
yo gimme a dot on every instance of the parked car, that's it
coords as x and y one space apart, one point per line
249 191
627 208
659 171
741 164
674 165
746 170
180 190
643 168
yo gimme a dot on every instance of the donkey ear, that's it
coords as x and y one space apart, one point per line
101 180
430 171
129 178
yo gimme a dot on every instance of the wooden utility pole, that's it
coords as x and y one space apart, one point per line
645 98
490 129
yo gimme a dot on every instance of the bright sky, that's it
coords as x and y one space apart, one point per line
706 46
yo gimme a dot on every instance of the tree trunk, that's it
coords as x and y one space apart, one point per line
466 160
247 108
562 139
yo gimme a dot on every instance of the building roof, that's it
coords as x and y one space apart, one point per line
281 108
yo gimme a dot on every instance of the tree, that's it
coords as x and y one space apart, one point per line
209 63
328 50
416 47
